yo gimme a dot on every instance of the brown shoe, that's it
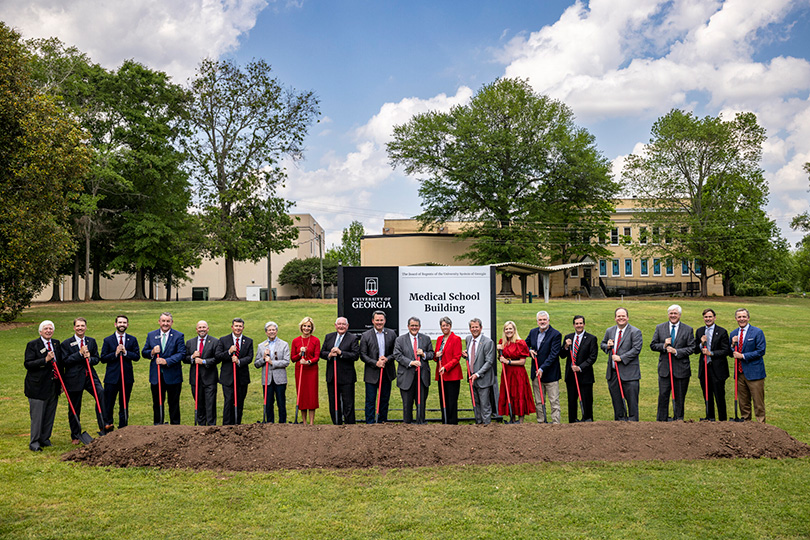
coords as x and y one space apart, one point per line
76 441
109 427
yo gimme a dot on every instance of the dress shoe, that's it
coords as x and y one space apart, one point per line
34 448
76 441
109 427
46 443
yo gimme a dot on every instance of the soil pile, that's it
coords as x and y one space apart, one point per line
264 447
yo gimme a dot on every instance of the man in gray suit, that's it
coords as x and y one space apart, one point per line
275 353
413 351
623 344
203 373
674 340
480 355
376 348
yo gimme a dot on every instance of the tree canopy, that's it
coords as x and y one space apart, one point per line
700 183
42 161
530 184
244 123
306 274
348 253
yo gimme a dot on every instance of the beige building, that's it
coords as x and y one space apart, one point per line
402 243
208 281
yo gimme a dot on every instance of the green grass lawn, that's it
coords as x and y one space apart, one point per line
44 497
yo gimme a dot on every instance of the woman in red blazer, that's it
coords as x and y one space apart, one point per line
448 372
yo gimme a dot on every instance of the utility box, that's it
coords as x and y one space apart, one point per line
253 293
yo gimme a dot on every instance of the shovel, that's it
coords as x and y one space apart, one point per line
672 386
95 394
576 380
123 390
540 386
706 383
505 380
625 408
84 437
160 394
379 394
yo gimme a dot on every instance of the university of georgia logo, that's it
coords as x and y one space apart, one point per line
372 286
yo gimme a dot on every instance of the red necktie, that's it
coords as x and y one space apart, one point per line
49 345
618 340
576 350
739 349
202 342
415 356
237 346
120 340
82 345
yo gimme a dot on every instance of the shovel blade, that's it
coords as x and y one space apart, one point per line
85 438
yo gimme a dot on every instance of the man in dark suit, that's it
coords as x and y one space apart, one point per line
79 355
118 351
579 350
713 346
544 346
673 340
623 344
342 349
376 347
166 348
235 349
748 346
41 385
202 373
413 352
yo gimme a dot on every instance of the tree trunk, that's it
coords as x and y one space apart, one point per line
97 280
56 296
74 286
230 280
169 290
565 282
506 284
726 285
151 285
87 283
704 285
139 292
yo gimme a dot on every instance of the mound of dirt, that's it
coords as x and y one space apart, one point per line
264 447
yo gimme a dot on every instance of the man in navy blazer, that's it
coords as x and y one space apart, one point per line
713 345
235 349
579 350
623 343
201 354
748 344
79 355
166 348
342 349
378 362
544 345
117 350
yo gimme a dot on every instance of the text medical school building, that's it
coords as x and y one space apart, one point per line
402 244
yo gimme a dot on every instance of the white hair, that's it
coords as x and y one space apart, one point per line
543 313
270 323
43 324
675 307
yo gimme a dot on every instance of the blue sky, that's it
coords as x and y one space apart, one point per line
619 64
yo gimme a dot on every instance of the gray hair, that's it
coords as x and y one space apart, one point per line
675 307
43 324
543 313
270 323
445 320
166 313
477 321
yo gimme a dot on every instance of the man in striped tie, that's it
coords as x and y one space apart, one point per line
579 350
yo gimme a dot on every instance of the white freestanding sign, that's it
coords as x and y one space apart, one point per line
458 292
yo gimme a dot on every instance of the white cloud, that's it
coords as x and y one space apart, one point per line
169 36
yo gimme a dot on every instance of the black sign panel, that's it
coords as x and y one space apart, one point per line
362 290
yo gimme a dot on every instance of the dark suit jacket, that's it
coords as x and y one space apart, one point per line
349 353
629 349
74 365
242 367
40 382
684 345
108 356
173 354
548 357
586 357
753 363
208 370
403 353
720 350
370 353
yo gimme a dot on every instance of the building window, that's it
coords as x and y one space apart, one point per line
684 267
697 267
574 272
656 235
614 236
645 271
668 236
628 267
615 268
642 236
628 237
656 267
602 268
670 267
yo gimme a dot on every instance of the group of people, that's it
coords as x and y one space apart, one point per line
53 366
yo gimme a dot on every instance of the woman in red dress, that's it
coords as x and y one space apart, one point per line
305 351
448 372
512 352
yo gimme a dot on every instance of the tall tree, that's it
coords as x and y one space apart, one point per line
530 184
306 274
700 183
802 255
245 122
348 253
42 160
